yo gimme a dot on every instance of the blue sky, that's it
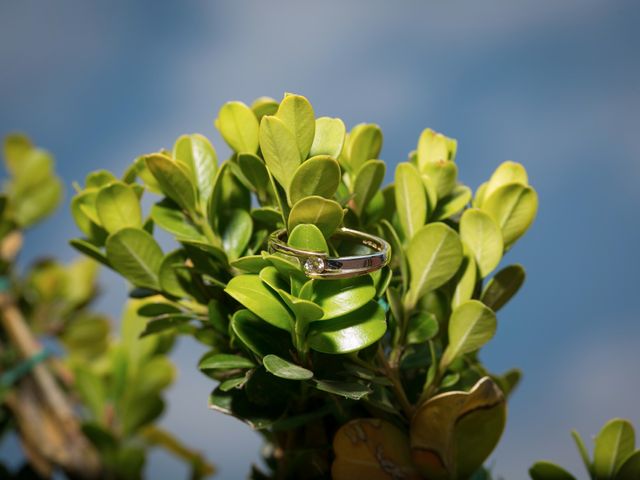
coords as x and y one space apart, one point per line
554 85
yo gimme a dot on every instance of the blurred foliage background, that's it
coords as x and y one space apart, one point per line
554 86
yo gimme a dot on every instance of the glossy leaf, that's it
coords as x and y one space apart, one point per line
308 237
251 292
118 207
349 333
196 152
168 216
443 175
317 176
296 113
284 369
238 126
321 212
615 442
341 296
136 255
350 390
422 327
472 324
434 256
329 137
434 147
173 180
508 172
514 208
453 203
258 336
224 361
504 285
264 106
365 143
544 470
483 237
173 275
280 149
465 280
370 449
453 433
236 233
254 169
367 183
411 199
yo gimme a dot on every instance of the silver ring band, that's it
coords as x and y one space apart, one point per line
321 265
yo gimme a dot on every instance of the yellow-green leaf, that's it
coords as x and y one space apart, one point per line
324 214
117 207
238 126
317 176
513 207
483 237
329 137
280 149
472 324
296 113
411 199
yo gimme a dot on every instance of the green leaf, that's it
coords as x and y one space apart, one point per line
251 292
317 176
254 169
224 361
138 413
238 126
321 212
196 152
173 179
544 470
471 325
630 468
452 203
16 147
411 199
37 201
341 296
236 233
504 285
508 172
365 143
308 237
434 255
296 113
250 263
513 207
136 255
280 150
329 137
582 449
285 369
465 279
367 183
350 390
483 237
264 106
153 377
118 206
443 175
90 250
349 333
422 327
168 216
613 445
258 336
434 147
172 276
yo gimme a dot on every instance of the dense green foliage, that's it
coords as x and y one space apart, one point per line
301 360
111 386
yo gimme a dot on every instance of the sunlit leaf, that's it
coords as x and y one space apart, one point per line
238 126
367 183
508 172
434 147
317 176
224 361
196 152
329 137
117 206
173 179
321 212
615 442
472 324
365 143
296 113
483 237
411 199
136 255
280 149
513 207
341 296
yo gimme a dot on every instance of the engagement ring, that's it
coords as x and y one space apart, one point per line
321 265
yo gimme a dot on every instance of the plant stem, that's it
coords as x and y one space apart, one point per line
394 377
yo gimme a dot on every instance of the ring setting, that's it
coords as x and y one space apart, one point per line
320 265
